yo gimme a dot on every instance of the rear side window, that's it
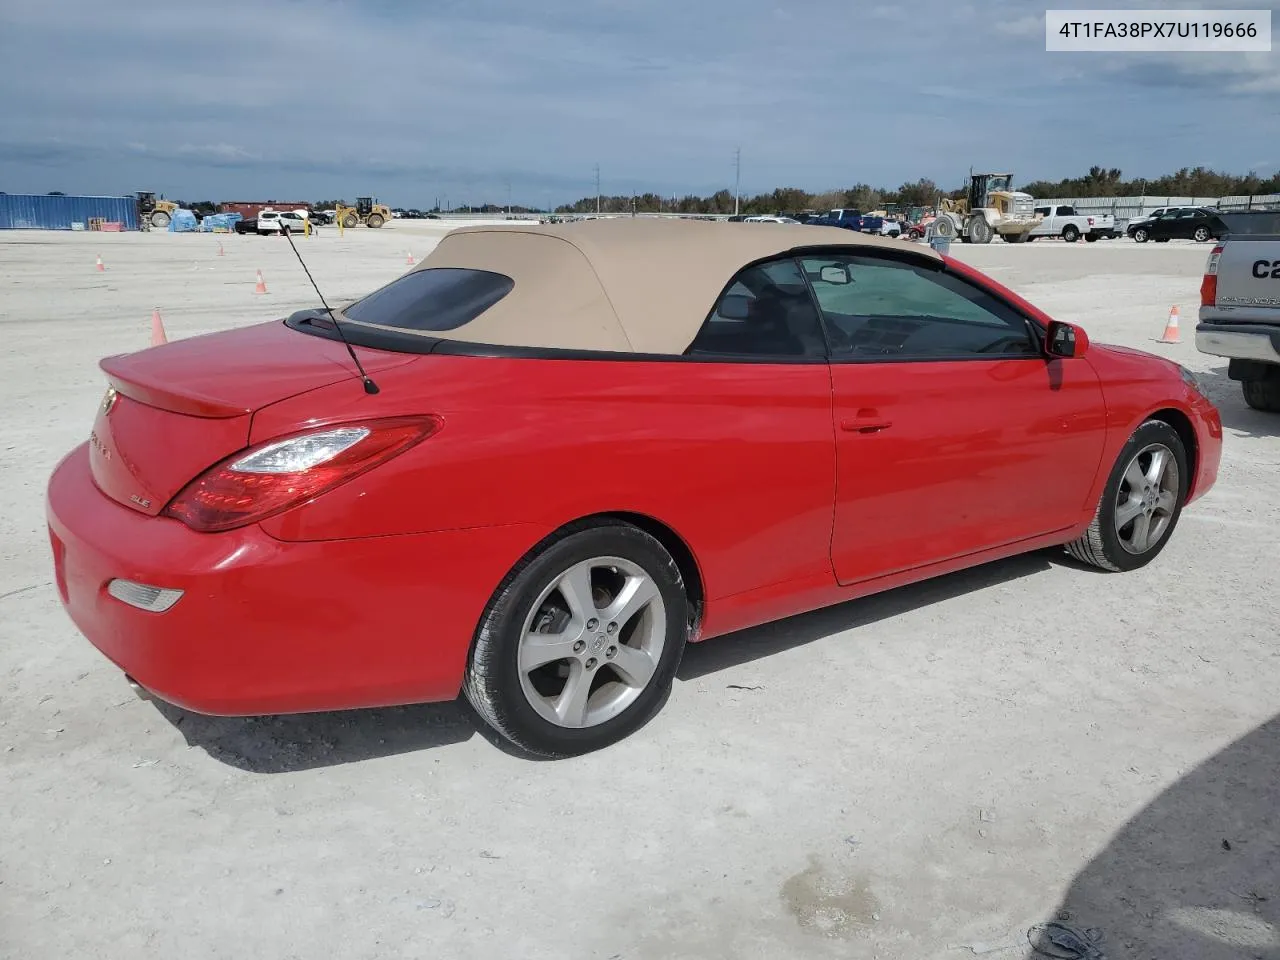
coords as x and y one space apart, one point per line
441 298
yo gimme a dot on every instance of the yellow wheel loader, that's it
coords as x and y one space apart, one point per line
366 211
991 208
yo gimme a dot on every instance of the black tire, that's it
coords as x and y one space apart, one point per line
981 231
350 221
1201 235
375 221
493 682
1262 394
1070 233
1090 238
1141 236
1101 545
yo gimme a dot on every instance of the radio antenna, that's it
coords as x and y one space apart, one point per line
369 386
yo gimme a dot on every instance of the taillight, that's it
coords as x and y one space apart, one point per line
279 474
1209 285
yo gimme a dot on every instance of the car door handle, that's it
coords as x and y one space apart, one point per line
865 424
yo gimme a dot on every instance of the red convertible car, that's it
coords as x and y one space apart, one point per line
537 465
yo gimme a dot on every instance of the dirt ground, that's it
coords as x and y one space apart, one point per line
924 774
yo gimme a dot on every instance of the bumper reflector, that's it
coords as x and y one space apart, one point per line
143 596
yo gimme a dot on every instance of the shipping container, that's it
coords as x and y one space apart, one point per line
30 212
250 209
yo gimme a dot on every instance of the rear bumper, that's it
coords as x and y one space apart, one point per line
266 626
1239 341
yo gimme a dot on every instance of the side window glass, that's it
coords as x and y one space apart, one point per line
883 308
766 311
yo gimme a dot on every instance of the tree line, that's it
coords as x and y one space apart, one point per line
1098 182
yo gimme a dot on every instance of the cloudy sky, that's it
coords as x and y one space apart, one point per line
457 99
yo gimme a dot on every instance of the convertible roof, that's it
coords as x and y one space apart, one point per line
640 285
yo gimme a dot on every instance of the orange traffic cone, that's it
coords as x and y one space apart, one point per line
262 284
409 258
157 329
1170 334
99 264
221 252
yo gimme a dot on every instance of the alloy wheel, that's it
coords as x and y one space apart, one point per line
1147 499
592 642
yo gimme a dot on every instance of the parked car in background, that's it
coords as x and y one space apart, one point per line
1240 315
770 219
272 221
1201 224
246 225
1147 217
245 530
849 219
1062 221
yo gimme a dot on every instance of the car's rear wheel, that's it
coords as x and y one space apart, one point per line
580 643
1202 234
1262 394
1141 502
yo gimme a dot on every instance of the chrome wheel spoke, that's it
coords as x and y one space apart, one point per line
1155 469
635 595
1135 477
1126 512
539 649
571 705
575 586
1141 533
635 667
1166 502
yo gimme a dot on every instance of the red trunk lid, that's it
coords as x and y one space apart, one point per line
175 410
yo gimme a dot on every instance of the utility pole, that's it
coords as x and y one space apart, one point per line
508 196
597 188
737 177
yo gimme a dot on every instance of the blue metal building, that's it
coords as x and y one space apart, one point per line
26 212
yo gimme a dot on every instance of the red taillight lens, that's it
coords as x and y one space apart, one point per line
1209 285
1209 290
279 474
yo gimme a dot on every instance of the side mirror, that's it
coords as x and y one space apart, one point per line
735 307
835 274
1065 340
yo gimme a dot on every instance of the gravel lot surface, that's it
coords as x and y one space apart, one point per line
923 774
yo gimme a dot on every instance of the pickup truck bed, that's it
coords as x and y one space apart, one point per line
1240 314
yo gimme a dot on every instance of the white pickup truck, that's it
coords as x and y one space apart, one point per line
1063 221
1240 314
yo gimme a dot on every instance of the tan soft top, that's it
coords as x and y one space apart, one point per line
642 285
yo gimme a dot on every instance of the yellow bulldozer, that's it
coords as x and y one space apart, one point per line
367 211
153 212
992 208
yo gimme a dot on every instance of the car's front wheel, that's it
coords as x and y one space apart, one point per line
579 645
1141 502
1140 235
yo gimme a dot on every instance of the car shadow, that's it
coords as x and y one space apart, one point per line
754 643
1236 414
303 741
1195 874
294 742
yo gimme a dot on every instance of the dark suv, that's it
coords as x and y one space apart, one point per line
1182 223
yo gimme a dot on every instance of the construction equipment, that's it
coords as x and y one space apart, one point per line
992 207
153 212
367 211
